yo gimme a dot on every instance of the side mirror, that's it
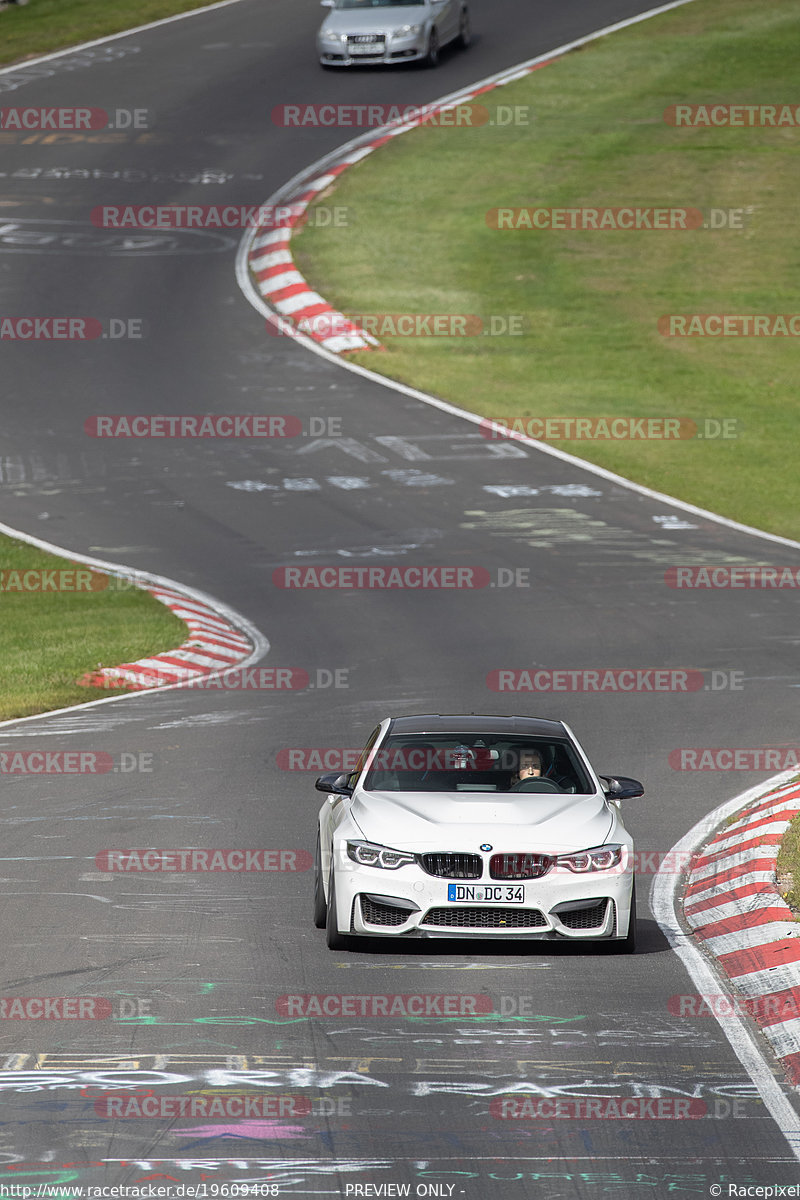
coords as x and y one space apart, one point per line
620 787
333 784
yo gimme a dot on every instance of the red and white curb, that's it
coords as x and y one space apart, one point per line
215 644
664 899
282 285
298 307
299 311
220 639
733 905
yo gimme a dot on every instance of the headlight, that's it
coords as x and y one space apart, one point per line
328 35
599 858
405 31
369 855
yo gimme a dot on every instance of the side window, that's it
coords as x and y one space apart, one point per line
352 778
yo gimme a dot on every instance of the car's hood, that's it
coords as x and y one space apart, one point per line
424 821
374 20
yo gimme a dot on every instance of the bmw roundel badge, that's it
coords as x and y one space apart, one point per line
486 846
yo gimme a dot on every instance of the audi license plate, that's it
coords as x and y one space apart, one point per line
374 48
499 893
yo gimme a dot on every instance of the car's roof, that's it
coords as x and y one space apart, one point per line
472 723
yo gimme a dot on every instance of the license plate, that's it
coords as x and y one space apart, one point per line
374 48
499 893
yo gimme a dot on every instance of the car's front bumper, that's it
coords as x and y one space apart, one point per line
410 903
394 50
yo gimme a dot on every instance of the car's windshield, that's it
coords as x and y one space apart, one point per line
380 3
467 763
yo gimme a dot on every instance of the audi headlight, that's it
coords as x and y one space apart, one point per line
599 858
329 35
405 31
366 854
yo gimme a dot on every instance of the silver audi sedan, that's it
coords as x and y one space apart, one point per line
390 31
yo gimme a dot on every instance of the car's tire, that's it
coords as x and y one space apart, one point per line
431 59
334 939
320 907
464 30
628 944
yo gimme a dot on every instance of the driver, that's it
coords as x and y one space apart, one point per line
530 767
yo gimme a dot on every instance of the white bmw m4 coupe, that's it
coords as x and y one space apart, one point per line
474 826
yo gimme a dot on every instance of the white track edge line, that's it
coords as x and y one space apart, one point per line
708 976
664 888
113 37
248 289
260 643
739 1038
507 75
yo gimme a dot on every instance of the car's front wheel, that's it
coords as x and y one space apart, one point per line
464 30
335 939
320 907
432 57
628 944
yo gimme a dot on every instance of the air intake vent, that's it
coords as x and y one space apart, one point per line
591 917
382 914
485 918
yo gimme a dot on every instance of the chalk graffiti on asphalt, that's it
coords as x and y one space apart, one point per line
38 235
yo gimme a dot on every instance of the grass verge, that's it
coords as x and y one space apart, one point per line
46 25
49 639
417 241
788 867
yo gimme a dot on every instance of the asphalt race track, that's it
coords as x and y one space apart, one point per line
194 964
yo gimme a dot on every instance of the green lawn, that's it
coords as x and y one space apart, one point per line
46 25
417 241
788 867
49 639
